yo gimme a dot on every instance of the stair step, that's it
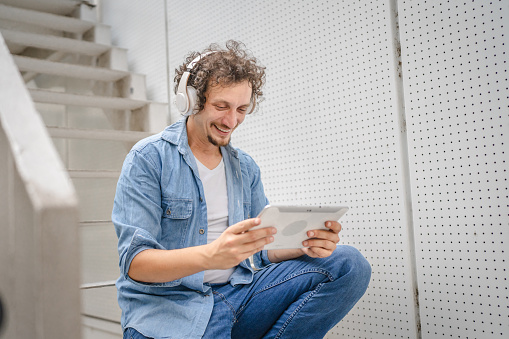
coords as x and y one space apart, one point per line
93 174
111 135
98 284
70 99
54 43
107 223
49 6
27 64
52 21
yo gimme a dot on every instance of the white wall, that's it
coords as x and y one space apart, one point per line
398 109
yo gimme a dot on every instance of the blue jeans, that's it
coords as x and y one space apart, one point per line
300 298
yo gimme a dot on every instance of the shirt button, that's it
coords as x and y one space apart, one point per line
202 231
168 212
201 199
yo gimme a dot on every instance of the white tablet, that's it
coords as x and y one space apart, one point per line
293 222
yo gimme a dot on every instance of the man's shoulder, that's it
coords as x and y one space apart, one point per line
167 137
152 140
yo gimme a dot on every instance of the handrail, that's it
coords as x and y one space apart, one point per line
34 154
39 248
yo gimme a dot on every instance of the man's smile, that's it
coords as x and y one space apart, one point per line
223 130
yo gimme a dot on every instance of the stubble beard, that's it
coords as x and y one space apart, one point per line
216 142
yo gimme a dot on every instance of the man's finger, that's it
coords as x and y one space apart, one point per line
319 243
333 226
322 234
245 225
257 245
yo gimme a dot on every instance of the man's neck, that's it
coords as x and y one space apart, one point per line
206 153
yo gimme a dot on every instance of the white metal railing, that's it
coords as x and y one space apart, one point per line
39 248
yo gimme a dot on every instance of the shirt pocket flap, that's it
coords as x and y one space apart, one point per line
178 208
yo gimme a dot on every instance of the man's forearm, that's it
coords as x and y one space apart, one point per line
276 256
158 266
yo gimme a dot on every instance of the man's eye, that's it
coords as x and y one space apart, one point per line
221 107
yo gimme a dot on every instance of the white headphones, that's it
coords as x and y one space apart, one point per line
186 97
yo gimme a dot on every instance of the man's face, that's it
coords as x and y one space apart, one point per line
225 109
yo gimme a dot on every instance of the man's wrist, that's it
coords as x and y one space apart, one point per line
276 256
204 257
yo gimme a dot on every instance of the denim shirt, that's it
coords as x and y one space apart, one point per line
160 204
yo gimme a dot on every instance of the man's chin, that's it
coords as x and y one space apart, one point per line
218 143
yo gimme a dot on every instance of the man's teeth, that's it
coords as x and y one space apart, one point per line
223 130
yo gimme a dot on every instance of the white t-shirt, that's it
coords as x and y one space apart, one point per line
216 197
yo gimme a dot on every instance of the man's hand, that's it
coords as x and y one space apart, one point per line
238 243
322 242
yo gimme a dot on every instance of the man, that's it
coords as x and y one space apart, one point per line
183 211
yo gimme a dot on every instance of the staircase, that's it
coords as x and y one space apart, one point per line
94 110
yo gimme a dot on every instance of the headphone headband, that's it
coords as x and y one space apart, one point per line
195 60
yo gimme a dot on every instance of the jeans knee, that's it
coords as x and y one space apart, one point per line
357 265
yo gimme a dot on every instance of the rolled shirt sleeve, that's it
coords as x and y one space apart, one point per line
137 209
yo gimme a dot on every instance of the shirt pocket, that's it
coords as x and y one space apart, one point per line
175 222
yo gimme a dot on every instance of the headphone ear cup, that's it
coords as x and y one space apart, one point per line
192 95
181 102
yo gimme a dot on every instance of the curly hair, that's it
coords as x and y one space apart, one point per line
223 67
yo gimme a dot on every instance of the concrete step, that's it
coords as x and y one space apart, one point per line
93 174
96 222
27 64
111 135
70 99
48 6
46 20
98 284
54 43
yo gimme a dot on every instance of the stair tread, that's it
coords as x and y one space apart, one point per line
58 7
67 70
71 99
93 173
48 20
54 43
112 135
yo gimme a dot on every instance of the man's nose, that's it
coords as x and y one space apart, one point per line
230 118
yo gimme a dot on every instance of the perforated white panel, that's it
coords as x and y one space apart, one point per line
329 131
456 94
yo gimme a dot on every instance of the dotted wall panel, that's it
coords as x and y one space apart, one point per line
456 96
329 129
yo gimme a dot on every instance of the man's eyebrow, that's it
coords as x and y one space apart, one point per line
219 101
225 102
